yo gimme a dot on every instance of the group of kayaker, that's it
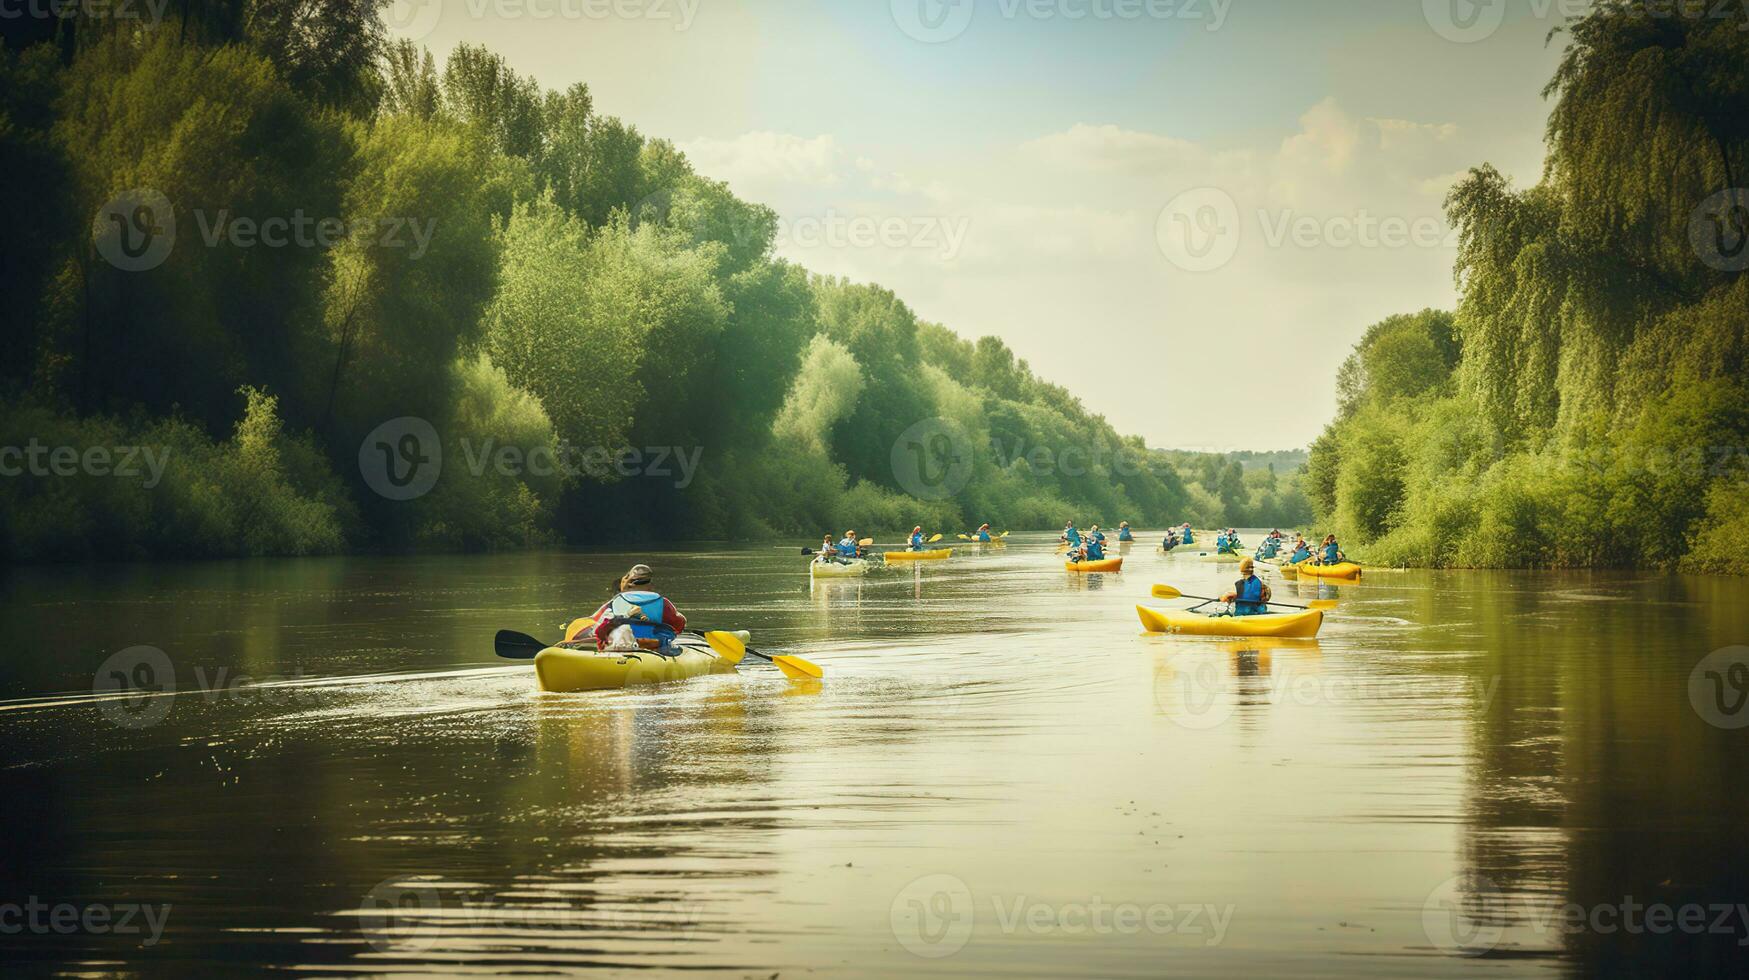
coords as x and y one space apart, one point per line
639 618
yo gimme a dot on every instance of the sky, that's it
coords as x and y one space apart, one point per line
1184 211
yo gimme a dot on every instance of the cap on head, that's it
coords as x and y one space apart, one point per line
1246 565
639 575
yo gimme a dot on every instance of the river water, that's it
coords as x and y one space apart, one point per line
1467 774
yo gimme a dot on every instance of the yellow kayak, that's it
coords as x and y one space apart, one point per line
1296 624
938 554
1104 565
1346 570
561 669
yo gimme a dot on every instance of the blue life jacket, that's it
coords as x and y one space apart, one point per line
1332 554
1096 549
917 541
847 548
643 610
983 535
1188 538
1248 597
1300 554
1123 534
1074 537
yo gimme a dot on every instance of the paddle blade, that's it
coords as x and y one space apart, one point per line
1322 604
727 646
963 537
798 669
935 539
1004 534
1167 592
512 645
865 542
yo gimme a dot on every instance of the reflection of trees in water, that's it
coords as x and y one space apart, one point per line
1592 782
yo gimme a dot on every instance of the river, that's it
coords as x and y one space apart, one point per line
1467 774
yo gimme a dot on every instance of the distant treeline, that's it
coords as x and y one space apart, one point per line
1586 403
283 253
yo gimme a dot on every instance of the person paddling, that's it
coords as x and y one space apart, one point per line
1302 551
849 547
917 538
1332 553
984 533
1071 537
637 618
1250 595
1123 531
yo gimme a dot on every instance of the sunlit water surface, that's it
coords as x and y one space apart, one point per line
999 774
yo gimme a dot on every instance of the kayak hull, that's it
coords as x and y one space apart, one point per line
1295 624
939 554
1220 556
1347 571
834 569
1106 565
562 670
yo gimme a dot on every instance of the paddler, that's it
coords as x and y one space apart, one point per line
1171 540
1187 537
1093 548
1123 531
1071 537
1250 595
917 538
828 551
849 548
1332 553
1302 551
650 621
984 533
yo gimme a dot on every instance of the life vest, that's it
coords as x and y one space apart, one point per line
983 535
847 548
1300 554
1332 554
1189 538
1073 536
1095 550
917 541
1124 535
643 612
1248 597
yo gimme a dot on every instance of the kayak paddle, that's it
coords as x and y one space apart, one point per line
512 645
935 539
1168 592
732 648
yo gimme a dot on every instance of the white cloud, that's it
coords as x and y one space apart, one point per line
1109 148
760 159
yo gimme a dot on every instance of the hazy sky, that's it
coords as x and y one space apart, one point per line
1185 211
